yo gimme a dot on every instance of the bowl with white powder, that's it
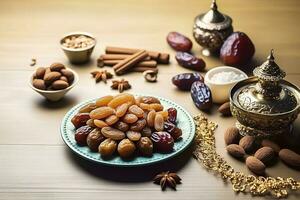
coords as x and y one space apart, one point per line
220 80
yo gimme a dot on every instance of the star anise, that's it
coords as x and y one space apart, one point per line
167 179
120 85
101 75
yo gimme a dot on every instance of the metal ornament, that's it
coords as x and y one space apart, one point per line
211 30
265 104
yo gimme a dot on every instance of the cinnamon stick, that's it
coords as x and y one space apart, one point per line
120 50
117 57
142 69
150 63
129 62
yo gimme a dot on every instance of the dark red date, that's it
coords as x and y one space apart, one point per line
81 135
162 141
201 95
173 130
189 61
80 119
172 115
184 81
179 42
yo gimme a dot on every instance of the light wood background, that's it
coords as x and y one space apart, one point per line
34 161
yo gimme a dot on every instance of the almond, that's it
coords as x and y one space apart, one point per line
40 72
63 78
51 77
248 143
39 84
231 135
269 143
265 155
57 67
59 85
290 157
68 74
224 109
235 150
255 165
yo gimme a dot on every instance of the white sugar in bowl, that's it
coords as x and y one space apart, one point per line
221 79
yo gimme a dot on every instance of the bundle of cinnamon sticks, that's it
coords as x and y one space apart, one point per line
125 60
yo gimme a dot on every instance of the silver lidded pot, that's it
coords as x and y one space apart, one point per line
211 30
265 104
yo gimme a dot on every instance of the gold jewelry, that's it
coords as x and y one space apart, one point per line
205 152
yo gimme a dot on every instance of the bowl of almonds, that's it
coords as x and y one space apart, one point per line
53 82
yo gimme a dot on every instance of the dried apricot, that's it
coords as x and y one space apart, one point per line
103 101
102 112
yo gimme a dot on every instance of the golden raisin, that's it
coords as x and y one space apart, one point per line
121 110
150 118
102 112
134 109
103 101
130 118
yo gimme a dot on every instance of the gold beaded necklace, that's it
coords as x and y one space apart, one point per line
205 152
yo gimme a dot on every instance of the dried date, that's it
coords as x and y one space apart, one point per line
189 61
201 95
179 42
184 81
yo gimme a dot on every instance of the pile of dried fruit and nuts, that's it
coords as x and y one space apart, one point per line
55 77
126 125
264 151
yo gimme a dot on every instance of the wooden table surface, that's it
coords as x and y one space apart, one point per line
34 161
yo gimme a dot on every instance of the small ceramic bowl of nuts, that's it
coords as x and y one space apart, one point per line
53 82
78 46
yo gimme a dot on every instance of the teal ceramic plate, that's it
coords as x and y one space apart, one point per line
185 122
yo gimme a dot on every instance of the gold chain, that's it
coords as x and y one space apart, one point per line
205 152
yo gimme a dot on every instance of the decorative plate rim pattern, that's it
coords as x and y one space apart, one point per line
139 161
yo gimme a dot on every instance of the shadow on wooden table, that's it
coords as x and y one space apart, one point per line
131 174
67 101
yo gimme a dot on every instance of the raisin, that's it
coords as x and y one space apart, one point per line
107 147
184 81
156 106
159 122
102 112
150 118
149 100
122 126
189 61
134 109
138 125
81 134
201 95
100 123
126 148
103 101
94 139
145 146
130 118
133 135
88 108
162 141
121 110
120 99
111 120
146 132
80 119
113 133
179 42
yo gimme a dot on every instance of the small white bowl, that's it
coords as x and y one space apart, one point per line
220 91
55 95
